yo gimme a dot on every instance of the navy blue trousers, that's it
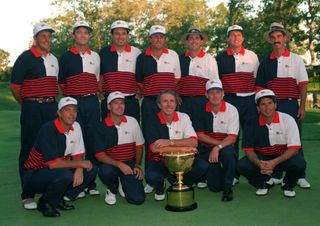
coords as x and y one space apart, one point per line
157 172
33 116
132 187
54 184
220 175
294 168
191 105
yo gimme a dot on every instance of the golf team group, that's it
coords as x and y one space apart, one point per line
123 106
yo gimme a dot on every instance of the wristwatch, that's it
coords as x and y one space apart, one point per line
220 146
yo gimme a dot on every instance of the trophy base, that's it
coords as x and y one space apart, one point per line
180 201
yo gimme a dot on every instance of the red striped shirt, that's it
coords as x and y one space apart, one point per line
122 152
238 82
154 84
192 86
122 81
41 87
284 88
81 84
277 149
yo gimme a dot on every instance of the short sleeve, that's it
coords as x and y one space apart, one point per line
188 130
19 70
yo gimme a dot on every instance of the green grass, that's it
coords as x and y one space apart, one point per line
246 209
314 86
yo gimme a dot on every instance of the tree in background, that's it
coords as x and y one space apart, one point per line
5 70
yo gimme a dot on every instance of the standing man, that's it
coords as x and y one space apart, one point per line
78 77
217 127
118 66
157 69
118 146
237 70
271 144
197 67
55 164
285 74
169 131
34 85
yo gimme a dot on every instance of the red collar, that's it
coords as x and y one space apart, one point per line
35 52
58 125
109 122
148 51
286 53
127 48
223 107
163 121
276 119
76 52
230 51
200 54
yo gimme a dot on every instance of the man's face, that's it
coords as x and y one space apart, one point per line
81 36
116 107
235 39
267 107
194 42
278 39
215 96
43 40
119 36
167 104
157 41
68 114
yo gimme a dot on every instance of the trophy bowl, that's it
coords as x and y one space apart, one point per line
180 197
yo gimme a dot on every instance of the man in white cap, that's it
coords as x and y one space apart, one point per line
34 85
118 147
157 69
237 70
55 166
271 143
285 74
79 77
217 127
118 66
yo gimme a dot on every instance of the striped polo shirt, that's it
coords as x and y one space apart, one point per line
282 75
118 69
195 72
238 71
54 144
180 128
119 142
274 138
79 72
217 125
156 75
36 74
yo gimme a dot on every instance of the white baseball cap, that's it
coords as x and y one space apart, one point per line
213 84
264 93
115 95
157 29
81 24
234 28
119 24
66 101
42 27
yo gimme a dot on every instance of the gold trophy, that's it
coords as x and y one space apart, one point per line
180 197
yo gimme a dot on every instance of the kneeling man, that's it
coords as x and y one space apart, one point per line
169 131
55 164
271 144
217 127
118 147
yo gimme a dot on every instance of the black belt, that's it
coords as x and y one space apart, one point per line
42 100
83 96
